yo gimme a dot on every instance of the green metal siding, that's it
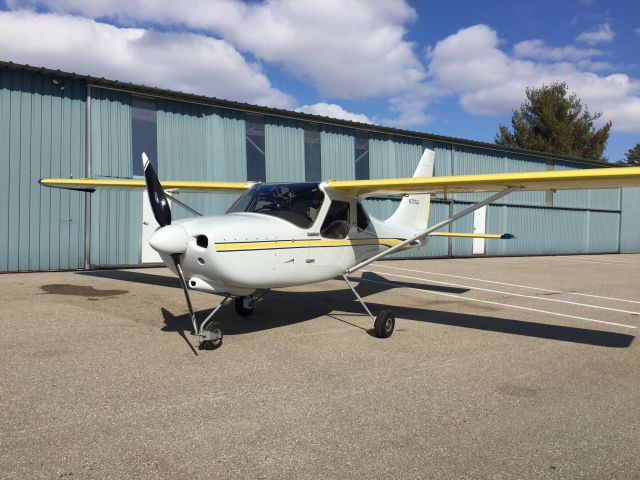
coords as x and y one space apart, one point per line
605 199
630 226
393 157
284 150
337 153
472 161
551 231
198 142
41 135
116 217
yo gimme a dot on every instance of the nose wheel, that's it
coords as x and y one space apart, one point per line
213 332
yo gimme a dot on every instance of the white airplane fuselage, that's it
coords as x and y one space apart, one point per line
239 253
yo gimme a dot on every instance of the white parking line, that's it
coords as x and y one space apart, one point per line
619 258
511 294
470 278
509 284
458 297
585 260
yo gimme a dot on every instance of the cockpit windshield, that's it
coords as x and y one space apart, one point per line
298 203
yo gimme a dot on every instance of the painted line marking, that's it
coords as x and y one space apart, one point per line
514 294
496 303
620 258
511 284
471 278
584 260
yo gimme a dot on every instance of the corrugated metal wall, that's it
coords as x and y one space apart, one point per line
630 224
116 217
198 142
284 150
42 134
337 153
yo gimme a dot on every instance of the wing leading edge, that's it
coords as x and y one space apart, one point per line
92 184
495 182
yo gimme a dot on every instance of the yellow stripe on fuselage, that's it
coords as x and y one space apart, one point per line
283 244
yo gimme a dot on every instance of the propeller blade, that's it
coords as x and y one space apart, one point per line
157 198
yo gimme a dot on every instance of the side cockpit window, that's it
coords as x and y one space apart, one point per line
336 223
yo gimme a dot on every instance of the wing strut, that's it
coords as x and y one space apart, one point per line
435 227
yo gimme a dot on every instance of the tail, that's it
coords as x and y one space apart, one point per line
413 211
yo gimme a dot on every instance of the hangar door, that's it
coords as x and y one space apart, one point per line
116 217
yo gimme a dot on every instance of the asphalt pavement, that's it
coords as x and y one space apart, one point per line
499 368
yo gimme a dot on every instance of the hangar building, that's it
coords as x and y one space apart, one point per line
58 124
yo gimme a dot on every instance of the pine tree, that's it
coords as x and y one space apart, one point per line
632 157
553 121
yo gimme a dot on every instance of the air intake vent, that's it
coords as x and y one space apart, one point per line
202 241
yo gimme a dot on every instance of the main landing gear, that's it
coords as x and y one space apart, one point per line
383 323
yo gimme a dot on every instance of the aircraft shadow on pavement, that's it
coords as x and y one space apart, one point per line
282 308
303 306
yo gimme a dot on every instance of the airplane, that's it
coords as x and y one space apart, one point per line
289 234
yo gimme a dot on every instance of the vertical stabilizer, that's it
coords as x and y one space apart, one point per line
413 211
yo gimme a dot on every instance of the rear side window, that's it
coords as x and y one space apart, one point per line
336 223
363 218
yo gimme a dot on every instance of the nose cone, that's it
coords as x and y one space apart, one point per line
170 240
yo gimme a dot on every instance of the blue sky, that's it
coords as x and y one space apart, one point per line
453 68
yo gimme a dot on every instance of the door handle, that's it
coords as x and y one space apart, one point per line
146 224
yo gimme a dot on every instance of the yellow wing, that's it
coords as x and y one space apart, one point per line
547 180
92 184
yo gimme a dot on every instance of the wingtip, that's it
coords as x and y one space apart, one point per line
507 236
145 160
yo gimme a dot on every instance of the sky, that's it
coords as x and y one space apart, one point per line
456 68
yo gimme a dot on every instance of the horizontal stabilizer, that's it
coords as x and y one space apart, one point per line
497 236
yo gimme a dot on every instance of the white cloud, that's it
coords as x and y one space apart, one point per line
333 110
601 34
539 50
187 62
352 49
486 80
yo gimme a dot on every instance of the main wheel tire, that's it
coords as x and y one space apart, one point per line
384 324
241 309
212 344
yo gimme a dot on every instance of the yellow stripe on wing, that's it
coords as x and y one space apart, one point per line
495 182
134 184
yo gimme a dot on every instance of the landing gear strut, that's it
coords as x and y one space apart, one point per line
210 333
384 323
